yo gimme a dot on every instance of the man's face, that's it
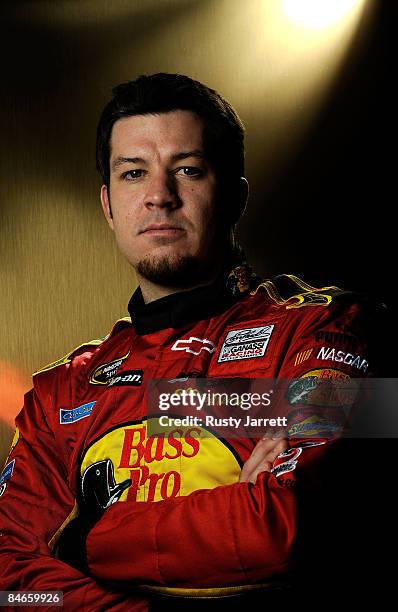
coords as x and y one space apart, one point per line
163 197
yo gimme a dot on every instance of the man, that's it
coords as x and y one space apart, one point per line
94 506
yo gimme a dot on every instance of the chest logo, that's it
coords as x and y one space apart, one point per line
127 378
247 343
137 467
67 416
194 345
103 373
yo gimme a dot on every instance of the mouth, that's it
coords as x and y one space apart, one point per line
162 229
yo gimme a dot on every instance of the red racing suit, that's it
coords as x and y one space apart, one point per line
182 522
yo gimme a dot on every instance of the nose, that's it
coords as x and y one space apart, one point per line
161 191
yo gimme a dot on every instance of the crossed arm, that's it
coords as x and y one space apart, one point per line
233 534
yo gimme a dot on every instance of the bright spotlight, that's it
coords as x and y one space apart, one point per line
317 14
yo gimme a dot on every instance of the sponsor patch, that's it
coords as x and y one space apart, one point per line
322 388
103 373
325 336
326 373
5 476
355 361
194 345
128 378
307 422
248 343
287 461
98 485
158 468
67 416
303 356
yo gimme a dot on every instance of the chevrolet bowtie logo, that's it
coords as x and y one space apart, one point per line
194 345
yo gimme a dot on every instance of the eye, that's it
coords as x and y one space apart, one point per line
190 171
131 175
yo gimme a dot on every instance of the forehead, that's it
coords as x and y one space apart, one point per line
163 133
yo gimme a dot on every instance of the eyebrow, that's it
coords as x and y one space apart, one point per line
119 161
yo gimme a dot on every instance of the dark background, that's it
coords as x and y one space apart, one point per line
331 212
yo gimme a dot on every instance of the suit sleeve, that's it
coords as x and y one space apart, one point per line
240 533
332 353
230 535
34 502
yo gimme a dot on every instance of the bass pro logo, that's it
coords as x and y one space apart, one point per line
98 486
163 467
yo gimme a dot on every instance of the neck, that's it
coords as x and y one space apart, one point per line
152 291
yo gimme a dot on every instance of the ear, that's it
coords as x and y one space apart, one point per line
106 206
241 199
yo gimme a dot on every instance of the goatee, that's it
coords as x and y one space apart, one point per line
171 270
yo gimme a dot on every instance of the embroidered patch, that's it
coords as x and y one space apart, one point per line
75 414
323 387
5 476
308 422
248 343
194 345
350 359
128 378
288 459
104 372
303 356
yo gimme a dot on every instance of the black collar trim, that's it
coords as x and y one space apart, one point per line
185 307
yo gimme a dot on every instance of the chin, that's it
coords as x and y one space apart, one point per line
176 270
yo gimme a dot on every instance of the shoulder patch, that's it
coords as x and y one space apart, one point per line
67 358
292 292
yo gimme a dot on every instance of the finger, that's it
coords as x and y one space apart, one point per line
274 434
264 446
255 464
279 448
265 450
271 449
265 466
258 455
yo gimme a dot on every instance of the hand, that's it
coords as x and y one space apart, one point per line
262 458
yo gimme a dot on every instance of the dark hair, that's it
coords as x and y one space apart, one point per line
163 92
